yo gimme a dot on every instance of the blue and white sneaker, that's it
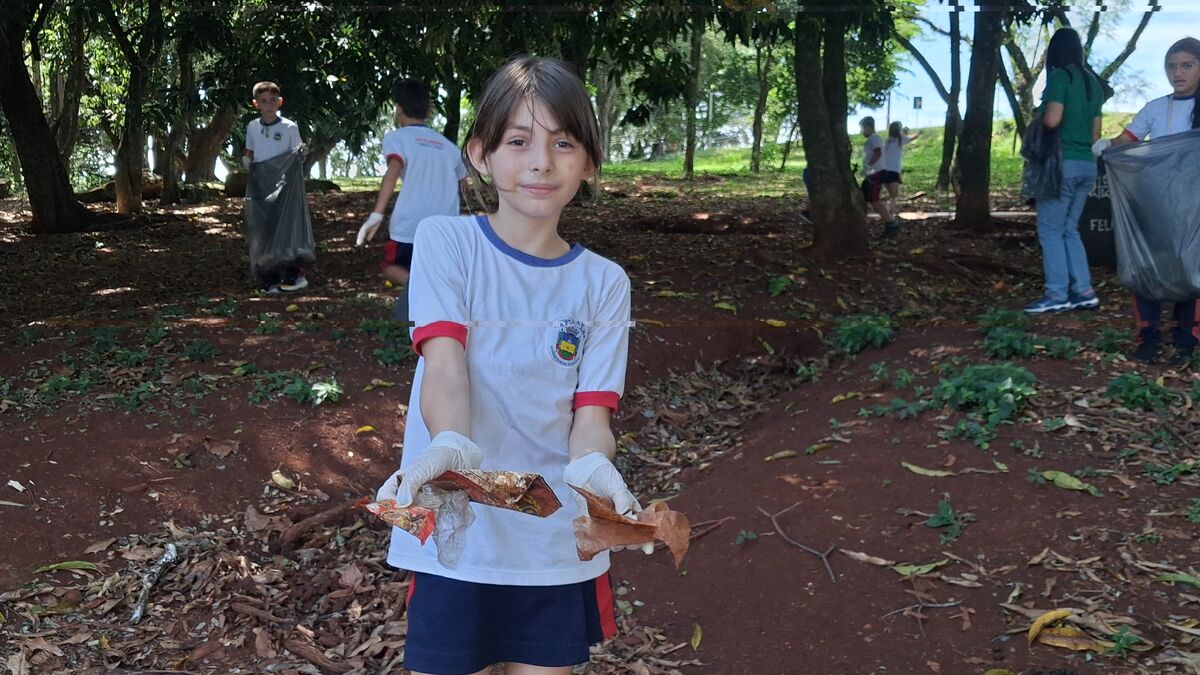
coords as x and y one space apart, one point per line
1084 301
1047 304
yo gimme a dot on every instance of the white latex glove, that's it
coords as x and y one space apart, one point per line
1100 146
596 474
246 162
448 451
369 226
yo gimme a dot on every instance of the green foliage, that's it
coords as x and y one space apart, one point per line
296 386
155 334
979 434
52 389
903 379
227 307
777 286
1166 475
1193 512
808 372
1111 341
855 333
879 371
1060 347
130 359
200 351
1136 392
899 408
393 354
321 392
994 391
386 329
744 536
1005 343
1194 392
268 325
1122 641
136 397
947 517
1003 318
104 340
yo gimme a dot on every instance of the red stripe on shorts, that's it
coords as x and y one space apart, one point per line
604 605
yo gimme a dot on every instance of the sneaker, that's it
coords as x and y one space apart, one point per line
1047 304
1083 301
891 230
1182 357
297 284
271 289
1146 352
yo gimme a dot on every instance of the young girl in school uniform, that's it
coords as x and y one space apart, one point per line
1171 114
522 339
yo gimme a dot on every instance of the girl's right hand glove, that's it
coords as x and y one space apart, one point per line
368 228
448 451
1100 146
596 474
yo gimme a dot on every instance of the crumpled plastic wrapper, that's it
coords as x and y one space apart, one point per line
603 528
524 492
442 506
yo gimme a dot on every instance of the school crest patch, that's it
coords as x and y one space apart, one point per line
278 136
566 344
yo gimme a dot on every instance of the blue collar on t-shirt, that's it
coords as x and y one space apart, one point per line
486 226
278 119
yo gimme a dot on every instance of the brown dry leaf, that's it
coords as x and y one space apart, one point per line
964 613
934 666
603 528
255 521
1069 637
100 545
262 644
1045 620
223 448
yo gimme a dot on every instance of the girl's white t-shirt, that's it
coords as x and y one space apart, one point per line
1163 116
893 153
542 338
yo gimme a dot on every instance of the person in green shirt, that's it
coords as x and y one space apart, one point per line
1071 105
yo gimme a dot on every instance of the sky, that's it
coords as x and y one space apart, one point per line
1176 19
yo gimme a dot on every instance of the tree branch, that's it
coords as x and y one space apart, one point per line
119 34
912 49
1020 63
1093 28
35 31
1111 68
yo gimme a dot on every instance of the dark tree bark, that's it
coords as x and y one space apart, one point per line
205 144
452 108
839 222
974 153
141 59
693 95
953 125
68 85
762 71
51 199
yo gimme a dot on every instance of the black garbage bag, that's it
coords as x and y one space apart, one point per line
1041 148
1155 189
278 224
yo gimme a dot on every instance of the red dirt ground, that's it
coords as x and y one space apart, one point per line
94 471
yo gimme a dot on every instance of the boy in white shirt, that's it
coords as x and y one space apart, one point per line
267 137
432 175
872 185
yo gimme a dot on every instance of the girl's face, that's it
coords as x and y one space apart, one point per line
537 167
1183 71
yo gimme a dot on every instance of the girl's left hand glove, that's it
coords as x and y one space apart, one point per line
594 473
448 451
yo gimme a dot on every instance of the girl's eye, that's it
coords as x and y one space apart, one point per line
565 145
517 142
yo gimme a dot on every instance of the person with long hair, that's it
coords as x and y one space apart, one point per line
1174 113
1071 106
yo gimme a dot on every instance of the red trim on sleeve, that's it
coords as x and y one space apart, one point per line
608 399
1130 135
397 155
448 329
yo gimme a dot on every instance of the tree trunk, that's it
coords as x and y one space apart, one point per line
64 103
318 152
837 101
51 199
693 96
762 70
205 144
839 223
953 117
1014 103
131 151
974 153
453 110
608 86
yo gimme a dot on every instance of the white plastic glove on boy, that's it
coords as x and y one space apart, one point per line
596 474
246 162
448 451
1100 146
368 228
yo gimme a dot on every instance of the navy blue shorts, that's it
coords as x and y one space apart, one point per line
396 253
459 627
889 177
871 186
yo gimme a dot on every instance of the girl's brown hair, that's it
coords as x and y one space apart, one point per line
547 80
1191 46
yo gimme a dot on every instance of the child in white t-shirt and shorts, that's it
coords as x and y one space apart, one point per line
893 167
523 340
431 169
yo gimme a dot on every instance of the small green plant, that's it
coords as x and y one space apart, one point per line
744 536
947 517
326 391
834 424
387 329
1033 475
979 434
55 387
807 372
155 334
392 354
1193 512
104 340
136 397
246 369
1122 641
1148 538
1111 341
269 325
129 358
903 379
1005 343
308 327
1166 475
272 384
777 286
1003 318
879 371
994 391
200 351
898 408
1136 392
227 307
855 333
1060 347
